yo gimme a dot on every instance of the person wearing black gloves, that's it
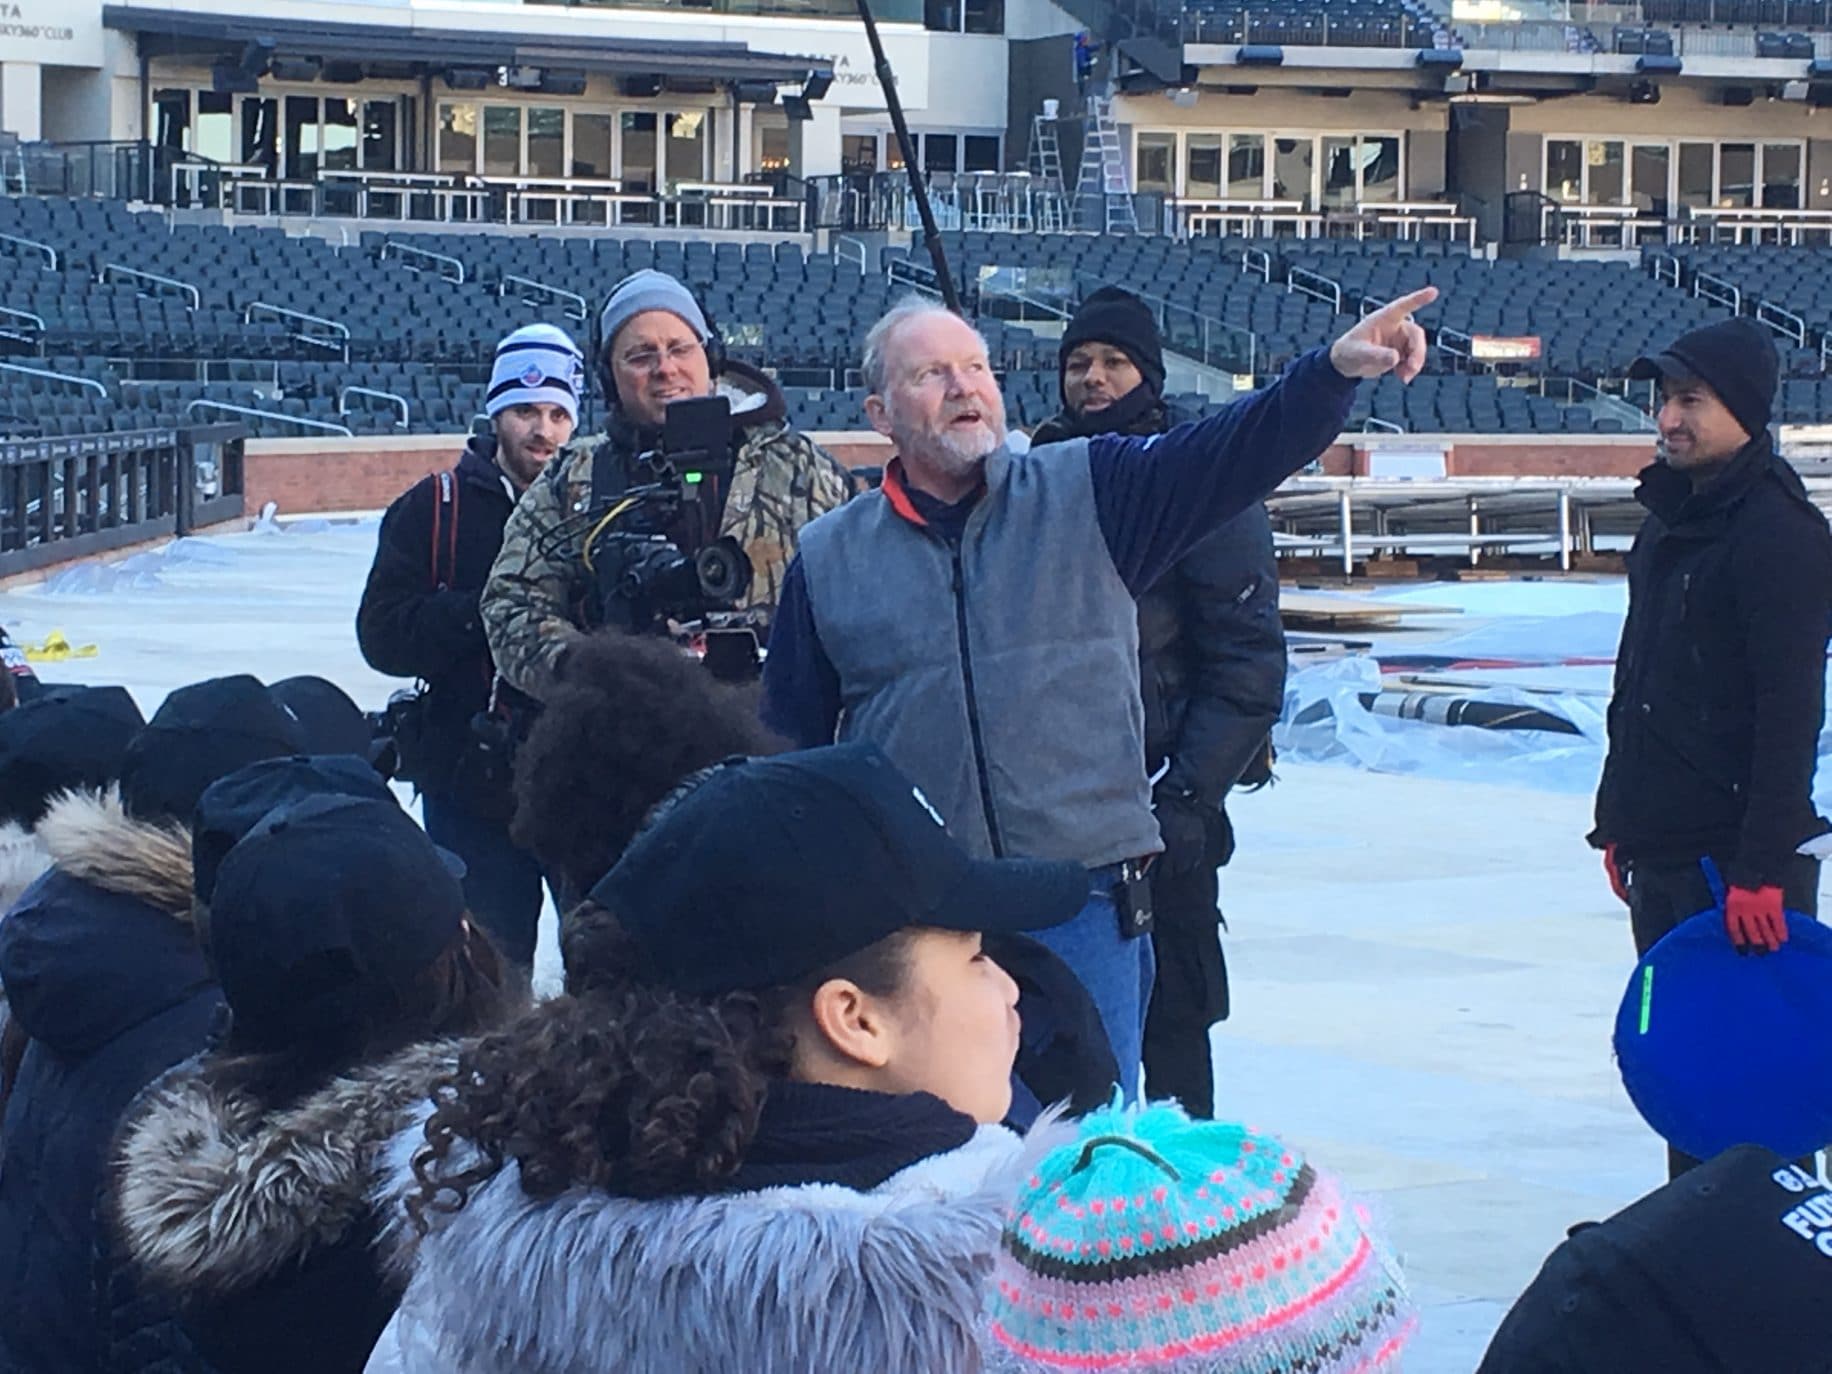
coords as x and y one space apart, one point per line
1212 676
1720 678
420 618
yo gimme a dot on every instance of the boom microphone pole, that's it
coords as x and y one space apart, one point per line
931 236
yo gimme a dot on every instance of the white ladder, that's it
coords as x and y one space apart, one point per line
1103 172
1045 166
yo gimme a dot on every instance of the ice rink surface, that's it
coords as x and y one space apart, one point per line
1425 968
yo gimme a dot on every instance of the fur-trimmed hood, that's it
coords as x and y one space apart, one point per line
801 1280
92 838
22 859
102 942
215 1193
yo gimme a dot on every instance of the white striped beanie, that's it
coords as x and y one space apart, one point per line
536 364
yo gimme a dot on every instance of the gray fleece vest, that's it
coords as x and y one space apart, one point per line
1003 680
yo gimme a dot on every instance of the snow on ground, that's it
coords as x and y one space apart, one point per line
1425 969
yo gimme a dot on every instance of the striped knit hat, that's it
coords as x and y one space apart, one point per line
537 363
1155 1242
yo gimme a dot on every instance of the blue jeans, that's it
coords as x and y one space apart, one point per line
502 883
1117 973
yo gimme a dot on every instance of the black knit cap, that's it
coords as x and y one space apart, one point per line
1115 316
332 722
199 734
1736 358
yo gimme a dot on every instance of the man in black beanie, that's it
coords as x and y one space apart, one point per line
1212 676
1720 678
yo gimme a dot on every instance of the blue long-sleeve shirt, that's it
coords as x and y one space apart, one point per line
1155 497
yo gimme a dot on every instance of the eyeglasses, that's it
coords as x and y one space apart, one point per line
650 359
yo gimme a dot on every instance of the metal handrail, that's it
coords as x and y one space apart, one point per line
1782 321
270 415
1372 425
122 269
583 312
285 313
1316 286
1664 267
398 249
343 401
24 315
842 242
1718 291
54 376
37 247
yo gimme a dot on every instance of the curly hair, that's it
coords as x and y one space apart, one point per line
630 716
619 1085
464 991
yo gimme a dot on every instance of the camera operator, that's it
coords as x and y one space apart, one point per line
657 349
419 618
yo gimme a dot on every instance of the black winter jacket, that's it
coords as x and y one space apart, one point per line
246 1229
1720 678
102 971
1211 648
407 626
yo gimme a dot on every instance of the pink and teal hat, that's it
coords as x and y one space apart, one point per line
1155 1242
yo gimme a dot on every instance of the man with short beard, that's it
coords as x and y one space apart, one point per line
1721 675
975 617
420 618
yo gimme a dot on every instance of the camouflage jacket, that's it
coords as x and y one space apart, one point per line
782 480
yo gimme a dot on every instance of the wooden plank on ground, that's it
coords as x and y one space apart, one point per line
1322 610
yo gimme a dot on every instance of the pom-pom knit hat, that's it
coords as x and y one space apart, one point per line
1155 1242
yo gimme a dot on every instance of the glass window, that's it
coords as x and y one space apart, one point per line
893 151
638 167
1339 172
687 146
502 141
1736 175
1154 159
591 148
260 132
981 153
1202 167
985 16
171 118
1695 161
940 153
1564 170
1606 172
773 147
339 134
301 137
1292 161
859 152
457 148
1246 166
1648 178
1379 160
215 137
1780 175
942 16
381 143
547 142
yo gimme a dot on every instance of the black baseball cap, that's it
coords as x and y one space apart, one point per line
231 807
201 733
331 722
328 907
75 737
772 869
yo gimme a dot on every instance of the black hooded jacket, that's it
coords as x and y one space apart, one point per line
1720 678
1211 649
409 626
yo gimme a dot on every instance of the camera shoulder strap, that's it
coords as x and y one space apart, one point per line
445 531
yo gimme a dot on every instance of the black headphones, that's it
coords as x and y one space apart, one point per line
713 343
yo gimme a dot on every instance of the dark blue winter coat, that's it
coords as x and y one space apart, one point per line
103 973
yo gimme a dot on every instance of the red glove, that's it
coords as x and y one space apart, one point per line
1617 883
1753 917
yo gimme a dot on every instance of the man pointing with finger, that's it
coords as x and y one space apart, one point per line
974 618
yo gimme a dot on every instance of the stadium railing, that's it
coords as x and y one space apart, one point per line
63 498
